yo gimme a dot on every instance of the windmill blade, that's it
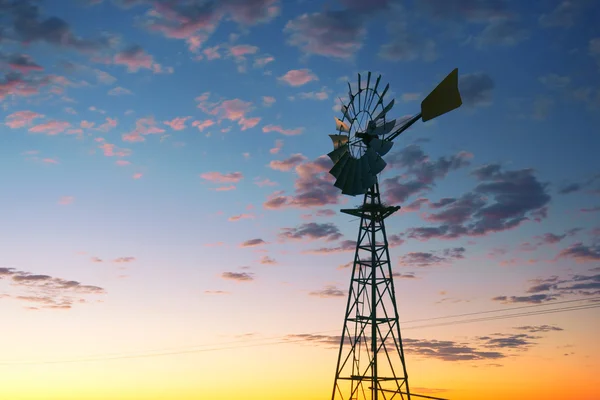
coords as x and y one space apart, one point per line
337 154
341 126
338 140
376 163
345 178
383 129
380 146
444 98
356 186
339 166
385 110
359 90
366 177
349 182
384 92
345 112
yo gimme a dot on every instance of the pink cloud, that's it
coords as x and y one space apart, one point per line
298 77
23 63
277 128
232 177
201 125
225 188
242 50
108 125
264 182
86 124
239 217
119 91
21 119
122 163
212 53
177 123
260 62
50 161
110 150
268 101
134 58
278 147
288 163
195 42
66 200
143 126
247 123
137 175
52 127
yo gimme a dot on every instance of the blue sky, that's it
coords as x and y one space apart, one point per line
169 158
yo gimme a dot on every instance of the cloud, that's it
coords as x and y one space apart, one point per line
501 201
335 34
590 210
268 101
554 81
26 24
217 292
121 260
137 175
235 218
554 287
143 126
177 123
47 291
266 260
345 245
211 53
277 148
238 276
407 45
581 253
134 58
447 350
119 91
476 89
421 170
185 20
298 77
328 292
313 187
233 110
264 182
232 177
432 258
277 128
323 94
579 186
21 119
52 127
260 62
253 243
502 32
242 50
312 231
562 16
201 125
539 328
287 164
22 63
66 200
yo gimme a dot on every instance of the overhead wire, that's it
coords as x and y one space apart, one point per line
284 339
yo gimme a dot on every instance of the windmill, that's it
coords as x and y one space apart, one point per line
371 363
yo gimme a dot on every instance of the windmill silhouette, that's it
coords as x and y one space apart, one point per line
371 363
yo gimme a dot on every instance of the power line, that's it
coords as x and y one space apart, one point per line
208 348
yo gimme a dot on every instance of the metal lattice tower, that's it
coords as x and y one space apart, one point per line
371 361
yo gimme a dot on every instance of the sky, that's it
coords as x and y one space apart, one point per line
170 228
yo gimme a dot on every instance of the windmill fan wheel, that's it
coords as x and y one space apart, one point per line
361 139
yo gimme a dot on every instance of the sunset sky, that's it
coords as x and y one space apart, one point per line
169 228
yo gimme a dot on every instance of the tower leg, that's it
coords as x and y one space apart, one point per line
371 364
